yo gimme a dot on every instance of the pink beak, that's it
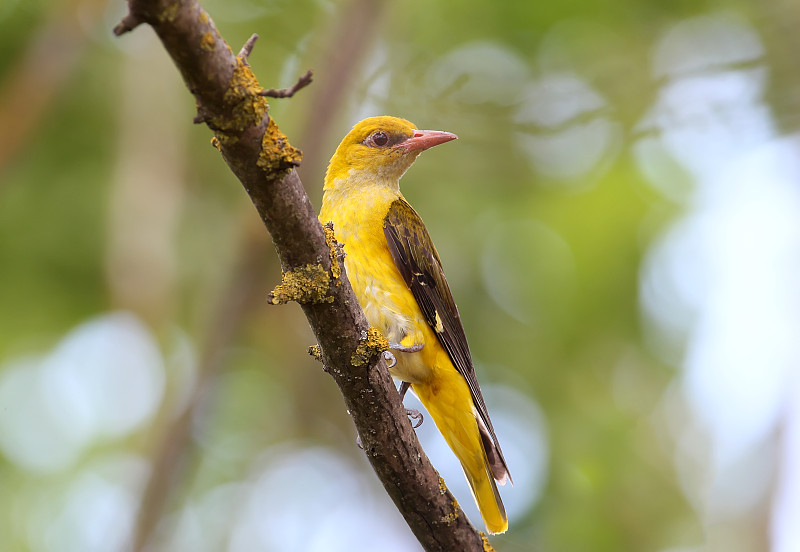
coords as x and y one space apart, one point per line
424 139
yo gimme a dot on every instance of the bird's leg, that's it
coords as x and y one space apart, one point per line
412 349
389 357
412 413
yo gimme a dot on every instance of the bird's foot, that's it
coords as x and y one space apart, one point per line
415 414
412 413
403 349
389 357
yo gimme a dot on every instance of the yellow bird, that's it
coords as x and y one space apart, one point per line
398 279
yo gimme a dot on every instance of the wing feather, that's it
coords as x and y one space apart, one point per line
418 262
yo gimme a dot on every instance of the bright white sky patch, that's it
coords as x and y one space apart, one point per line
478 72
104 379
729 275
563 130
313 500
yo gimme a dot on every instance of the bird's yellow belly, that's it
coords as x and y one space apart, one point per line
390 307
383 294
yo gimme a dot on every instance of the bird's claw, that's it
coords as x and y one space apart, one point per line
412 413
415 414
390 359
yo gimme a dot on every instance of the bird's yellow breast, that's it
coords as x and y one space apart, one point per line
385 298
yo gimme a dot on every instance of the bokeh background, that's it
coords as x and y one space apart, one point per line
619 222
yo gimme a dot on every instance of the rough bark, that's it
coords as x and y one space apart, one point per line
228 100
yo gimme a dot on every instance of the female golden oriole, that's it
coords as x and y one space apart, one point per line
397 276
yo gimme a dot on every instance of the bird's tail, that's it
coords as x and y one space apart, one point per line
450 405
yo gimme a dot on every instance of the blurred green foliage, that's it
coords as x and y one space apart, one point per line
561 324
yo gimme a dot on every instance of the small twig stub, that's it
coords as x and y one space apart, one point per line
247 49
301 83
128 23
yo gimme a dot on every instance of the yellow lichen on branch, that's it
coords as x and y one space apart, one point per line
487 546
277 154
249 108
207 43
452 516
307 284
245 107
315 351
330 240
372 343
169 12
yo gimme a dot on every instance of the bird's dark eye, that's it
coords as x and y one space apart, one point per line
379 138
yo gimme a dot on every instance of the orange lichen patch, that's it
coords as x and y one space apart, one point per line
207 43
277 154
330 240
215 143
203 17
442 485
372 343
307 284
487 547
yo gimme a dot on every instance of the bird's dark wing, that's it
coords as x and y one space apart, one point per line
418 262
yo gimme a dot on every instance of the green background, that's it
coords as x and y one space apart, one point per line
115 209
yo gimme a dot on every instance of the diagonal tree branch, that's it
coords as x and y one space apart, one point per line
174 447
227 96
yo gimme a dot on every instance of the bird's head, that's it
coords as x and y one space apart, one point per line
380 149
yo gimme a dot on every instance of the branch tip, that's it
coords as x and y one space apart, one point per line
127 24
203 116
301 83
247 49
